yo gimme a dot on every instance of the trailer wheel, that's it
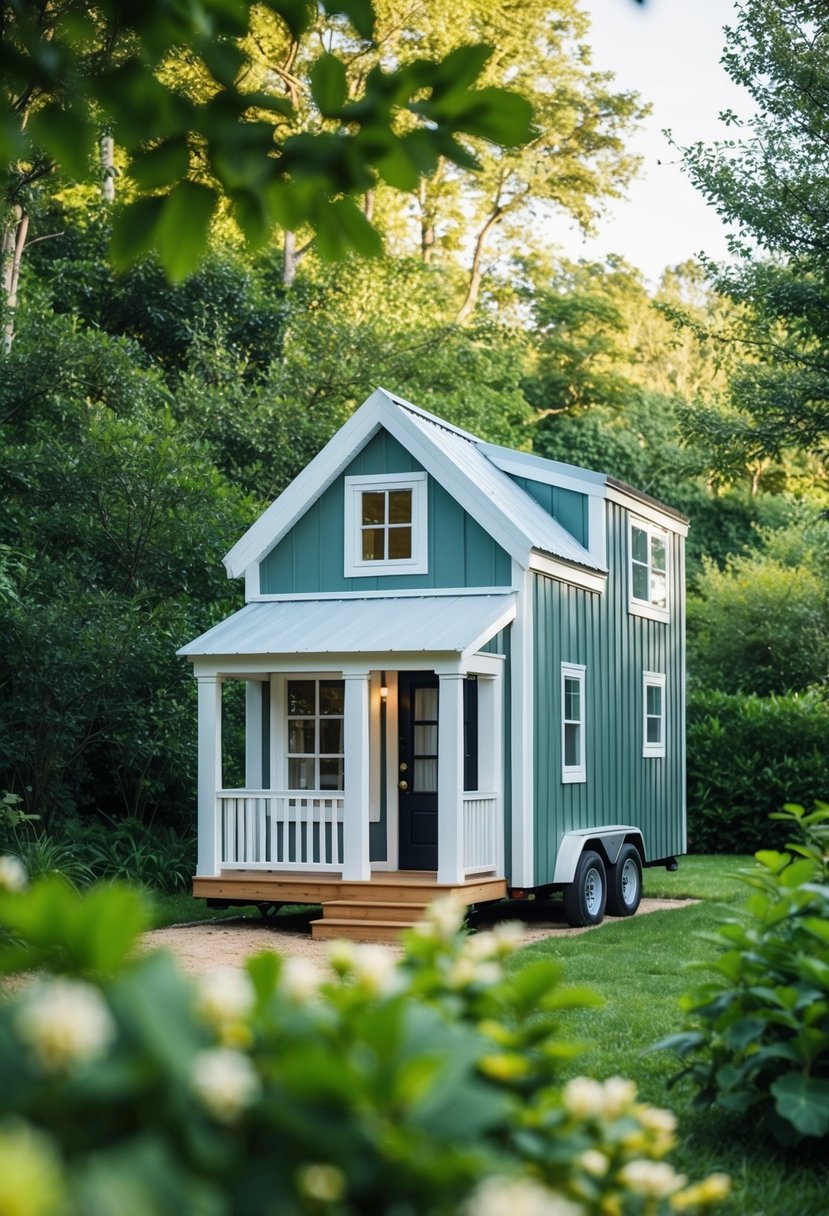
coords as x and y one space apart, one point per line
624 883
586 895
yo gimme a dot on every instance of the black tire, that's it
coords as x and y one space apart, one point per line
585 897
624 883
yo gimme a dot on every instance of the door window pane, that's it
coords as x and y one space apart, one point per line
426 705
426 740
425 776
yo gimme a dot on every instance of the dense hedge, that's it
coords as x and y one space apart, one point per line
747 757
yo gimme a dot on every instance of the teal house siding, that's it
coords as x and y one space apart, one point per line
567 506
573 625
310 558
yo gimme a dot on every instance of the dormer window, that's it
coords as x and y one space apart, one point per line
385 525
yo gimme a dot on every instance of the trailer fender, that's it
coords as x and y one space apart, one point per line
609 839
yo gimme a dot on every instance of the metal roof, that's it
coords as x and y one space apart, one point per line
453 624
540 530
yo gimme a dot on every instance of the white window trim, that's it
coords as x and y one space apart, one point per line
653 679
354 566
573 773
317 718
645 608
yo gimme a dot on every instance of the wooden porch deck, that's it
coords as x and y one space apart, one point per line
376 910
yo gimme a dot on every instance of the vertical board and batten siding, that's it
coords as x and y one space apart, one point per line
575 626
310 558
570 508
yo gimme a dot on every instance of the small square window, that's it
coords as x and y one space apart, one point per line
385 525
573 766
653 704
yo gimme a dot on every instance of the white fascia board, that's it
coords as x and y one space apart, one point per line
307 486
549 472
648 511
505 618
554 568
462 488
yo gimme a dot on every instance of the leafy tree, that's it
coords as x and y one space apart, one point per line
769 183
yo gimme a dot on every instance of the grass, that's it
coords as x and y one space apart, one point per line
641 967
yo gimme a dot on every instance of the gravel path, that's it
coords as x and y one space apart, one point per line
221 943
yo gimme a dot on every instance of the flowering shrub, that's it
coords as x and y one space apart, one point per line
757 1034
427 1086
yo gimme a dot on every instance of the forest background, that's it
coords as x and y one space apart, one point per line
144 422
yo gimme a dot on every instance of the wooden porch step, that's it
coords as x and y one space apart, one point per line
334 927
374 910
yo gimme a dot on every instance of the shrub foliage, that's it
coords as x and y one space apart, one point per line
747 756
429 1086
757 1034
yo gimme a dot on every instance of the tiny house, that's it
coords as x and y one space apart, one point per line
464 670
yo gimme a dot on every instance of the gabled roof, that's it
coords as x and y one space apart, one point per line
457 460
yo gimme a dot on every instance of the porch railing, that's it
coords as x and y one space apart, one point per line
480 833
280 829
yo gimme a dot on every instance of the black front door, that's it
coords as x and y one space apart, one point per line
418 770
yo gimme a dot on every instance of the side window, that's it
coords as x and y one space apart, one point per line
648 573
653 705
573 767
315 716
386 525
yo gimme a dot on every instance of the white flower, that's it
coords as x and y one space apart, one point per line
498 1196
226 1082
619 1095
64 1022
299 979
583 1098
13 875
479 947
467 971
509 935
323 1182
443 917
593 1162
376 968
225 996
656 1120
653 1179
341 955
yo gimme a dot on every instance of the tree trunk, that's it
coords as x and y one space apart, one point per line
473 289
368 205
12 244
289 259
427 226
107 168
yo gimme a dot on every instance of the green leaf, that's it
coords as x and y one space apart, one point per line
167 162
502 117
67 135
342 228
329 87
183 228
133 230
803 1102
462 67
297 14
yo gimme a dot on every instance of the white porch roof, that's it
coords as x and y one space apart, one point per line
445 624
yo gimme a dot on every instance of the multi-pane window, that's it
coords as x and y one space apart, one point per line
385 525
653 702
573 766
316 710
648 567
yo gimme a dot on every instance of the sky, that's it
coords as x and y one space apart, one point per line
668 51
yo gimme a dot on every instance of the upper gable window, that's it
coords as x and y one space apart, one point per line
385 525
648 586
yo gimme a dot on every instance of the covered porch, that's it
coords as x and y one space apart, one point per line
374 745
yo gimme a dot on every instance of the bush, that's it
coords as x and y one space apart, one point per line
747 756
758 1033
426 1087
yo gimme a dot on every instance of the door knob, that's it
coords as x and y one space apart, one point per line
402 785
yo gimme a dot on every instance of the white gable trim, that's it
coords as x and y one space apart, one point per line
554 568
648 511
307 486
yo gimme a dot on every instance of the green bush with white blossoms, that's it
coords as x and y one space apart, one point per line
427 1086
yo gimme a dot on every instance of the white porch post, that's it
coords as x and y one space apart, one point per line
450 779
253 735
209 775
491 752
356 864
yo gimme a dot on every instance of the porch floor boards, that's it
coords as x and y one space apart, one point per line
379 909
